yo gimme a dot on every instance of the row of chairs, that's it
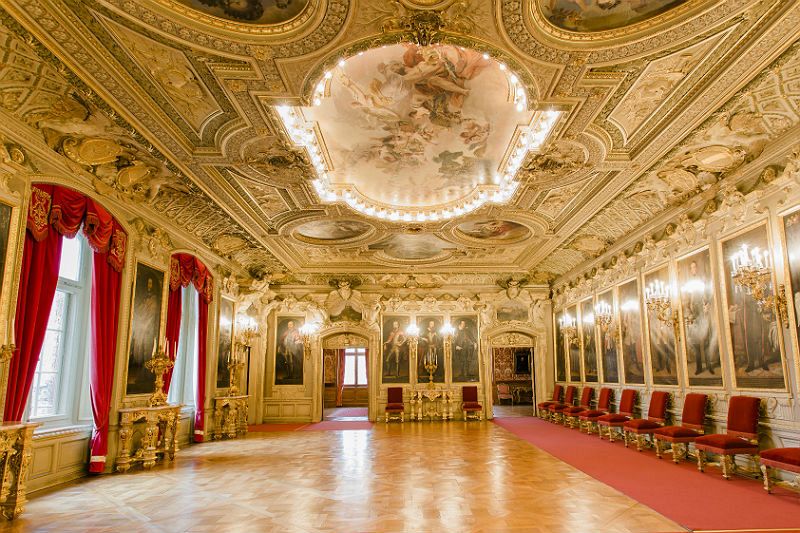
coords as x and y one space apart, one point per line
740 438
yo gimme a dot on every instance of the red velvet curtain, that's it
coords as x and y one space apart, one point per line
340 378
174 310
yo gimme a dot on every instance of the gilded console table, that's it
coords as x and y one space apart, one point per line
432 404
159 440
230 416
16 440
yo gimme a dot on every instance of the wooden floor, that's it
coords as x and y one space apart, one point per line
429 477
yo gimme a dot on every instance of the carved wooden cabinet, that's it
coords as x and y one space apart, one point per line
159 439
16 440
230 416
431 404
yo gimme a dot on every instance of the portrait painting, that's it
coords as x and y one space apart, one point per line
396 350
333 230
5 228
661 335
225 342
464 347
588 342
791 228
430 348
250 11
698 313
608 340
148 296
289 351
601 15
574 348
630 327
753 329
523 358
410 247
561 357
495 230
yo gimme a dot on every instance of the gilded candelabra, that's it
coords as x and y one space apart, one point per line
752 271
158 365
569 329
307 333
246 329
658 301
603 316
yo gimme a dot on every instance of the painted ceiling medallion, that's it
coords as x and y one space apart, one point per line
495 230
416 133
250 11
332 230
602 15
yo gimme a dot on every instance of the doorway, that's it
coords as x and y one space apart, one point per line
346 385
513 381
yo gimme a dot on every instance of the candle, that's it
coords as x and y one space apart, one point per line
154 348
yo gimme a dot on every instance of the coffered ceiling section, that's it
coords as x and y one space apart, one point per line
435 135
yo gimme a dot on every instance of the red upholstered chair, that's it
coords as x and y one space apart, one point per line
504 393
542 406
692 422
395 408
469 402
588 418
571 414
639 428
741 437
556 410
627 403
787 459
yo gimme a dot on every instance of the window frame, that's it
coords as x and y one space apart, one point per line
356 354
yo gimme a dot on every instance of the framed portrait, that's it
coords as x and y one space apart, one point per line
574 349
225 341
630 332
661 335
588 342
791 235
522 361
5 231
607 337
145 327
558 347
395 355
512 311
289 350
464 349
753 330
698 312
430 347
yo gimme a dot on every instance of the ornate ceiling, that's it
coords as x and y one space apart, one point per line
173 105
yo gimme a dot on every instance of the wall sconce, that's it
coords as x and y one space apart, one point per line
659 301
447 331
603 316
307 332
247 328
751 269
412 332
569 329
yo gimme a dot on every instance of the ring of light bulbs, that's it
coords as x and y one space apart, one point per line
531 137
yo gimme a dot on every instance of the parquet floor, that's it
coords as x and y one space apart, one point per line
431 477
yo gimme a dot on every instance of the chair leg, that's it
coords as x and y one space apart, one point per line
657 446
676 452
611 434
402 418
625 437
767 481
727 466
701 460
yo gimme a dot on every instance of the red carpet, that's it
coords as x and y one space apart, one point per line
268 428
679 492
347 412
337 425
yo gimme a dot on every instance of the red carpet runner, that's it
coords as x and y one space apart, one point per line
679 492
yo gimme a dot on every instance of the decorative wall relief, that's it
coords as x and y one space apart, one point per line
289 350
430 348
753 329
698 316
609 339
344 303
148 297
630 324
588 342
465 350
396 350
661 336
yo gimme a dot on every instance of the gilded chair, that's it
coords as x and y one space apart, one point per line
504 393
740 438
693 420
395 408
541 407
627 403
571 414
556 410
588 419
786 459
639 428
469 402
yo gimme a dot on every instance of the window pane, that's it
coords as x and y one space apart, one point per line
349 370
70 267
47 382
46 395
57 311
362 369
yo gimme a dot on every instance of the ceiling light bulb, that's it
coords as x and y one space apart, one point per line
486 56
341 63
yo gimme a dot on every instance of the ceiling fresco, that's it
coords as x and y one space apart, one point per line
174 107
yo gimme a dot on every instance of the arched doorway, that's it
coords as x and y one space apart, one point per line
346 377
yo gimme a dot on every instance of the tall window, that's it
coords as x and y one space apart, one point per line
355 367
60 383
184 374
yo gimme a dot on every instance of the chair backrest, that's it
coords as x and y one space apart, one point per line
586 397
569 397
502 388
557 390
605 399
394 395
469 393
659 401
627 402
694 411
743 416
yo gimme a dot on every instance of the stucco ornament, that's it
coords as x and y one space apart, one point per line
342 298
